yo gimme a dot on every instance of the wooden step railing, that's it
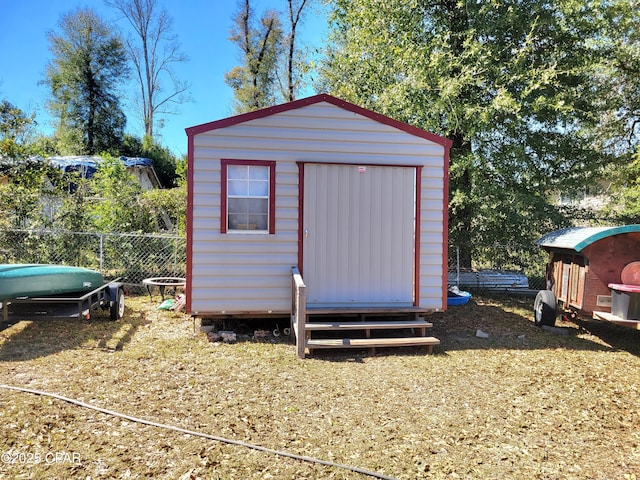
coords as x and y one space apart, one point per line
298 311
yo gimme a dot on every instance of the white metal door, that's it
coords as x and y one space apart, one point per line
359 235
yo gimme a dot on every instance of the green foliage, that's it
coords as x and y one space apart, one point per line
44 146
164 161
15 126
131 146
181 171
37 195
26 193
521 87
625 199
73 213
168 207
118 203
34 195
88 65
14 123
117 206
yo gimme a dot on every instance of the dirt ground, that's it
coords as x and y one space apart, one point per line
521 403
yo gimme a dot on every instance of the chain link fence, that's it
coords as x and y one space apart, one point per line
138 256
131 256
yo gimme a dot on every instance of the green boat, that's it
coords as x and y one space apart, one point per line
33 280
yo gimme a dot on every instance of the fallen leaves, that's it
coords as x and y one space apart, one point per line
520 403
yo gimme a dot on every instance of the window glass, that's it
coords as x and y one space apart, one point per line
258 173
237 171
248 197
237 188
259 189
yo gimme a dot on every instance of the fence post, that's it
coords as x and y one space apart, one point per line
133 253
101 251
175 256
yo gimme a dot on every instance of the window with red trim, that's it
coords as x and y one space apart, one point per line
248 196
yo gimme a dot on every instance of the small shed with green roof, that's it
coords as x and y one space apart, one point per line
592 271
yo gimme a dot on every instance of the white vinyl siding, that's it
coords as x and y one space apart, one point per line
243 273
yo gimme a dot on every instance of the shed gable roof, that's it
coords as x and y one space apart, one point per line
578 238
323 97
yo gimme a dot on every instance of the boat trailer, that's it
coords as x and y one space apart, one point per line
108 296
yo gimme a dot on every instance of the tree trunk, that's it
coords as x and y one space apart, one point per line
294 19
460 220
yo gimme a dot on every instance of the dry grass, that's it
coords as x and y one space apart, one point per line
522 403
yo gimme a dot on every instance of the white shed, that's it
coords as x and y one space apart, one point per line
355 200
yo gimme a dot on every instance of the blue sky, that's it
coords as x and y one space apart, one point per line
202 27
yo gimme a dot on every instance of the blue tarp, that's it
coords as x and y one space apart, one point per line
137 162
84 165
87 165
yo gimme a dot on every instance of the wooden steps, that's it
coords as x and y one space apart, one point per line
336 331
317 310
373 342
417 338
368 325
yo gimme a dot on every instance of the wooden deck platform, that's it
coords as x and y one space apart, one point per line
611 318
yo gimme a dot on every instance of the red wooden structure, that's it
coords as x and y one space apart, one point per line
592 271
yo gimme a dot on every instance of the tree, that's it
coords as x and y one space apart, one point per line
254 82
164 161
28 182
116 207
88 66
30 185
272 66
154 51
168 207
622 128
15 126
295 10
516 85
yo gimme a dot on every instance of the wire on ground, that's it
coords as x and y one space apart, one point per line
200 434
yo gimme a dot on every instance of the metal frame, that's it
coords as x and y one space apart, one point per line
89 301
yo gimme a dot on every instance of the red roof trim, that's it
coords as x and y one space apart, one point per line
445 231
300 216
315 162
417 230
323 97
223 195
189 277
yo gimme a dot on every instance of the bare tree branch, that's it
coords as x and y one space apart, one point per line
153 52
294 18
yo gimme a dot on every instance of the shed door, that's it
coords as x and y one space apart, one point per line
359 235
